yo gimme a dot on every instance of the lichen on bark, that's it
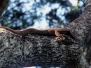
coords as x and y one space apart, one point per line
36 50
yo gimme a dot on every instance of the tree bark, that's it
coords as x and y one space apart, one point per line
35 50
44 51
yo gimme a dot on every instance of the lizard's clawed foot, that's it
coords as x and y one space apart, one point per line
60 38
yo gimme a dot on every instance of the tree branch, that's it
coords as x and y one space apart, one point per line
81 26
88 3
35 50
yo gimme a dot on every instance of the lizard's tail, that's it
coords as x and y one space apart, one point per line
27 31
14 31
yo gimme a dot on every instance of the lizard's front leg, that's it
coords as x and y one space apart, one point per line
59 37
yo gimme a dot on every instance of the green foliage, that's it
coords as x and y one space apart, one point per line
19 15
73 14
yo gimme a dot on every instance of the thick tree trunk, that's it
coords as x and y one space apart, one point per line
36 50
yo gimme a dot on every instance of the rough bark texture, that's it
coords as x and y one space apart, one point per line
35 50
82 25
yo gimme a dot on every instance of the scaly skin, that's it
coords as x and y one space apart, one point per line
48 32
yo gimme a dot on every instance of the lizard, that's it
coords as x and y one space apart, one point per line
48 32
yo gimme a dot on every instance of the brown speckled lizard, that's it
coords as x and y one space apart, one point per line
48 32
